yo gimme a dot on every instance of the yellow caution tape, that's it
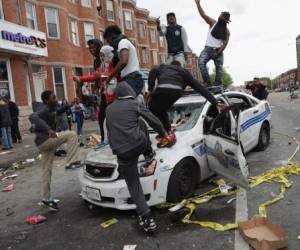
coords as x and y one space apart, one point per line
277 175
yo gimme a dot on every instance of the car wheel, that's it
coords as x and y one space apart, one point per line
264 137
183 181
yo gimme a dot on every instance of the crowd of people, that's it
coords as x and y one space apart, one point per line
123 106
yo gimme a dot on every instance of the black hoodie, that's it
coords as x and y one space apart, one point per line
123 119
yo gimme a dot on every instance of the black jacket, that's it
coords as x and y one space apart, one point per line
261 93
5 118
14 111
123 120
178 78
45 119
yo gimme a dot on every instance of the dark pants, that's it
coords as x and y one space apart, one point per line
205 56
128 168
15 131
102 116
160 103
136 81
79 121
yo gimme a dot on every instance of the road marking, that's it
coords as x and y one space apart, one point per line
241 215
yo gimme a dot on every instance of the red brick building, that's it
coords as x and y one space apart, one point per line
43 44
287 79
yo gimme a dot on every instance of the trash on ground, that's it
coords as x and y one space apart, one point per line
28 161
298 237
224 188
9 188
6 152
273 194
129 247
94 140
109 223
13 176
39 157
9 211
178 206
35 219
27 146
231 200
262 234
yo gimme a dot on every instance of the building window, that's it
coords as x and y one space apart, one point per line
31 15
162 42
99 7
128 20
144 55
59 81
153 35
155 57
86 3
162 59
101 36
1 10
88 31
72 1
142 29
74 32
5 79
52 22
110 10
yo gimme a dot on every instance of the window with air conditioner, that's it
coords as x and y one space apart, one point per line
74 32
52 23
31 15
142 29
144 55
86 3
88 31
128 20
60 82
110 10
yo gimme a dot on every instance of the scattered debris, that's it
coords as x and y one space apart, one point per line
94 140
231 200
298 237
28 161
6 152
178 206
27 146
224 188
109 223
273 194
9 211
290 143
13 176
9 188
262 234
129 247
35 219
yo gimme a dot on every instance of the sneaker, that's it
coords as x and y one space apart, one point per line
147 223
51 204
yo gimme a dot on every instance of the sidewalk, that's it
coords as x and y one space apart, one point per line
27 148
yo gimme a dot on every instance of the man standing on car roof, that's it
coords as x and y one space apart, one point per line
177 39
171 82
217 40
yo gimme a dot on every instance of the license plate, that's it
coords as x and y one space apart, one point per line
93 194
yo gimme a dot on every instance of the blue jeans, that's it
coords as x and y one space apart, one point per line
6 138
205 56
79 121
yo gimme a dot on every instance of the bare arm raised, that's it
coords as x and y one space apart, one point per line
210 21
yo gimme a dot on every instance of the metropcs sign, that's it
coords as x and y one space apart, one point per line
22 40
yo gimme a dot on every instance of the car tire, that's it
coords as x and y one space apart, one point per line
183 181
264 137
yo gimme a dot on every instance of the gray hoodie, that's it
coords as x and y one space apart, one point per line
123 119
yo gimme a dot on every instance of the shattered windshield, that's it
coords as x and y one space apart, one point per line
185 116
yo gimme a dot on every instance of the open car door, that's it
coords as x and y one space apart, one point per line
225 156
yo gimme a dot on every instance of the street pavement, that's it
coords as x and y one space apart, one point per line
77 226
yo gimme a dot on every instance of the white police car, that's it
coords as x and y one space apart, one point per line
207 143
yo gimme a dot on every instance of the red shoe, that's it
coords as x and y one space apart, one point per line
166 142
172 135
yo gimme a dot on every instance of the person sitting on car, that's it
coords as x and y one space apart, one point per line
171 82
128 138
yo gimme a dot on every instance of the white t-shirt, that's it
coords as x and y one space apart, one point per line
212 41
133 61
85 90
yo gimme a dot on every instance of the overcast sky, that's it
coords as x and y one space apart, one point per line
263 32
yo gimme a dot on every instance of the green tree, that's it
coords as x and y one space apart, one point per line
226 78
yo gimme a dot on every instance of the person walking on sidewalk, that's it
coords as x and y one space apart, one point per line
126 62
14 114
216 43
171 81
128 138
47 141
78 111
5 125
177 39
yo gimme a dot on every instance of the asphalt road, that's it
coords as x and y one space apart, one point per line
76 226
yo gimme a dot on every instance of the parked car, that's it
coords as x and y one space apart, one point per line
207 143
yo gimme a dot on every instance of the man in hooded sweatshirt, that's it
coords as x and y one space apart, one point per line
128 138
217 40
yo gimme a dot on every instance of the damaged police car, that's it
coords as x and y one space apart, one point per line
207 143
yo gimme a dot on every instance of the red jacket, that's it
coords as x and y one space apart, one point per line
93 77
